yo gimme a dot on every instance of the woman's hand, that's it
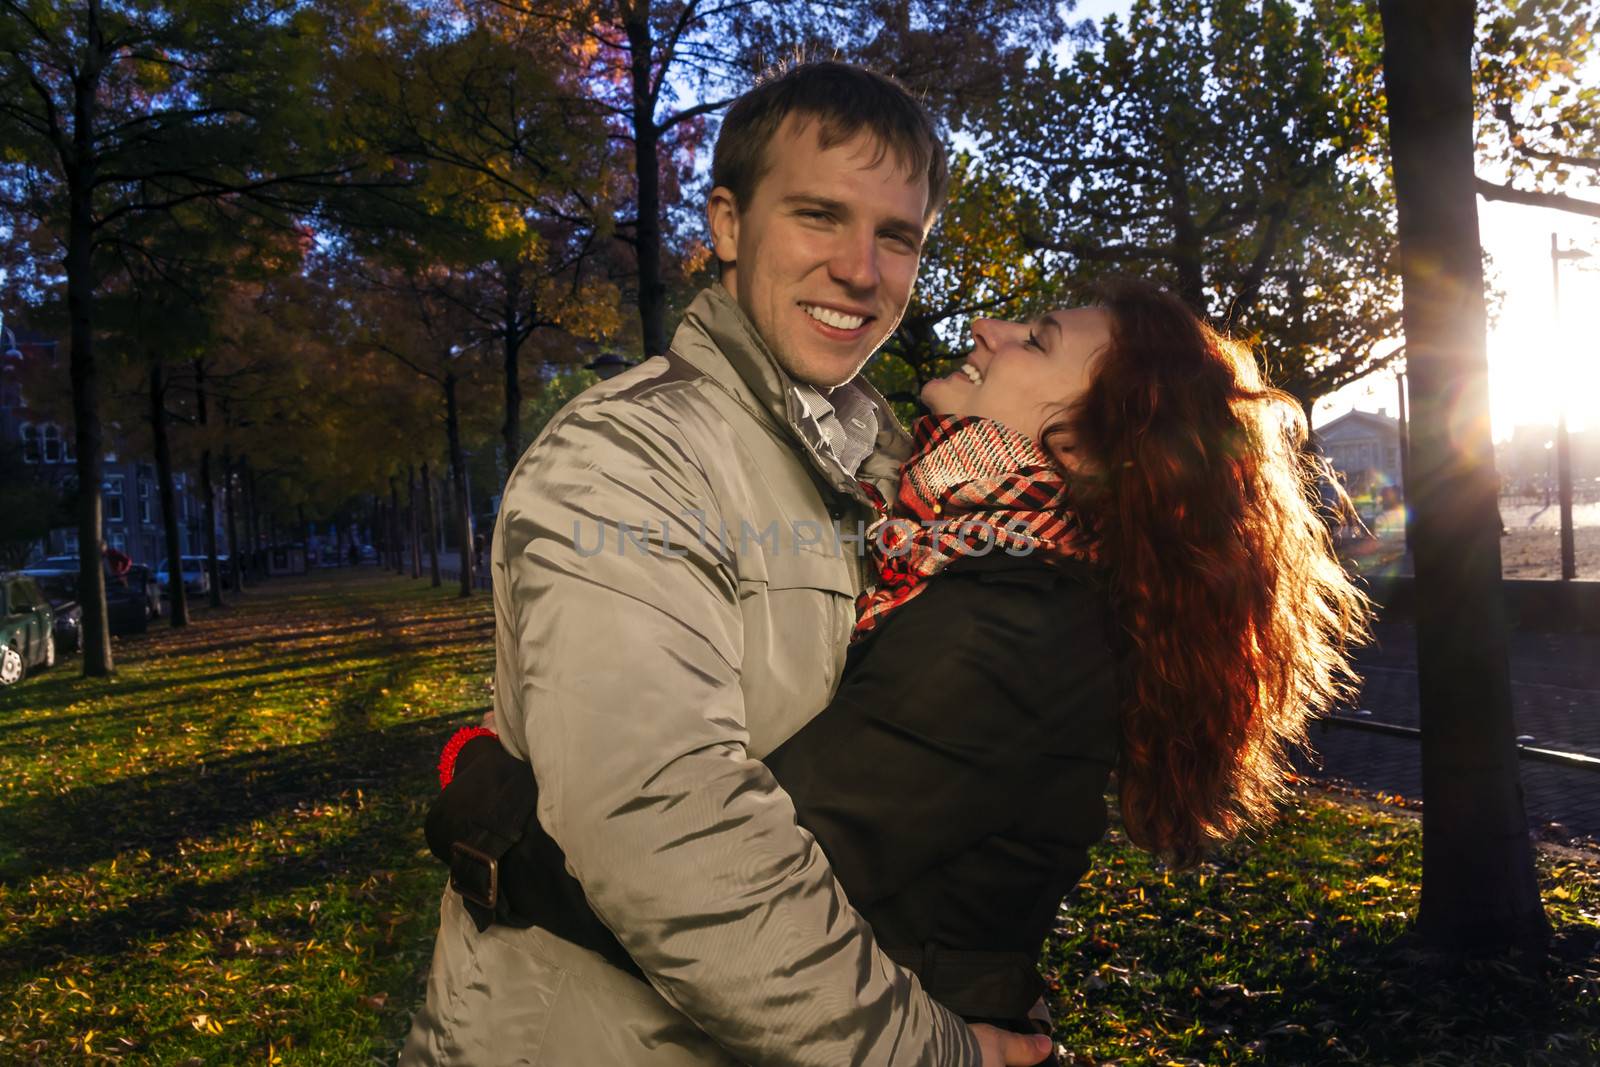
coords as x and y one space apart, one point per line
1002 1048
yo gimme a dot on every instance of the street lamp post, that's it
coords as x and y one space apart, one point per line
9 339
1569 556
1404 443
1549 472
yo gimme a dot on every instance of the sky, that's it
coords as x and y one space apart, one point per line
1534 360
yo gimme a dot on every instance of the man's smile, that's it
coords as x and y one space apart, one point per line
837 323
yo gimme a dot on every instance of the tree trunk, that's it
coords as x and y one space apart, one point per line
458 482
380 532
647 167
177 595
230 479
208 492
1479 891
208 515
1188 242
432 523
511 430
397 554
97 661
253 520
413 521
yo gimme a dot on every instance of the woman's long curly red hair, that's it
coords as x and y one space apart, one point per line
1223 573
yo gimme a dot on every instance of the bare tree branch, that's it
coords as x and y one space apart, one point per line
1533 198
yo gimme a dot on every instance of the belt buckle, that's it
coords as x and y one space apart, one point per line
462 849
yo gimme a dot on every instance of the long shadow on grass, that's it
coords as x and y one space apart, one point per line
371 844
317 637
118 689
139 713
157 811
1341 996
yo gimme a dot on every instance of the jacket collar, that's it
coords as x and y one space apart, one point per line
720 341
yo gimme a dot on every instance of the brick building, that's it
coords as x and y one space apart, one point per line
130 489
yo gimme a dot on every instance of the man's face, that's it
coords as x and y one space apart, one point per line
823 257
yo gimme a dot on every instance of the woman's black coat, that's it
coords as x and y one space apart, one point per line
956 781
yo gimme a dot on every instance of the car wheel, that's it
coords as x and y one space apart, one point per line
11 669
49 651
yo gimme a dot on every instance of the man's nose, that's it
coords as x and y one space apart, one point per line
855 262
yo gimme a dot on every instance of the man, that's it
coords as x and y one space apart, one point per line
668 610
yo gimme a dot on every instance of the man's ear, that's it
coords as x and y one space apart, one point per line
722 215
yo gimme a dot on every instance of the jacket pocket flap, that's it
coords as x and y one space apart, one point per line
795 566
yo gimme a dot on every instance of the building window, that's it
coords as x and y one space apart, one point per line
50 442
30 443
144 502
1391 455
111 494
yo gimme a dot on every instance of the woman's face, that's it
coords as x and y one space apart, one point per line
1020 373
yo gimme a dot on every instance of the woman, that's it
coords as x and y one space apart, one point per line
1104 553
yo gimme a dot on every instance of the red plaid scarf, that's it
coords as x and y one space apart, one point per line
988 488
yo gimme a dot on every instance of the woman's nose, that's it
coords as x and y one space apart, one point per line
983 333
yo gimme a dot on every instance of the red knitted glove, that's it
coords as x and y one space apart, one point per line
452 749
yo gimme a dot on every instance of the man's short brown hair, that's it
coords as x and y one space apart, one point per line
844 100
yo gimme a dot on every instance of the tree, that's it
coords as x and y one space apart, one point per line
109 111
1232 151
159 294
976 262
658 69
509 172
1538 119
303 422
411 313
1479 889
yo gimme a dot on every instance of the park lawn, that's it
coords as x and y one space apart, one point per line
217 858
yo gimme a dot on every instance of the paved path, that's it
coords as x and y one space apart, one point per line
1555 683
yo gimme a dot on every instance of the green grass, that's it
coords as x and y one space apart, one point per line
217 858
1296 950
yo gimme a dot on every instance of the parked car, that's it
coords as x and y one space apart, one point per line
27 628
196 577
127 603
62 592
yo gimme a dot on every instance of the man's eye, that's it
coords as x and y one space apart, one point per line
812 214
1033 342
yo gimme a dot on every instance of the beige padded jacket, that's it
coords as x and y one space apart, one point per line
672 601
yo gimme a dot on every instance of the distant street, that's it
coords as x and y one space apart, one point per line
1556 697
